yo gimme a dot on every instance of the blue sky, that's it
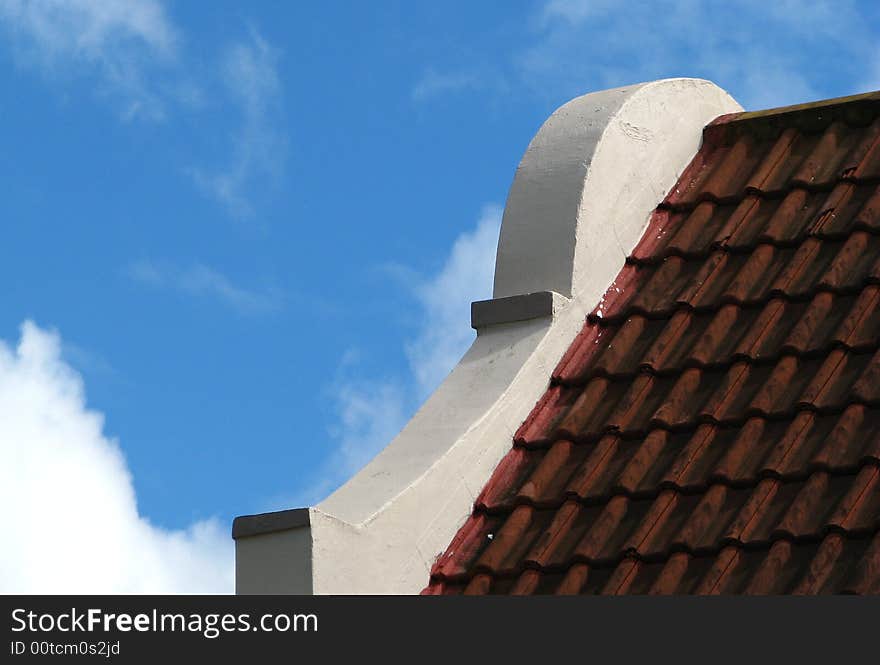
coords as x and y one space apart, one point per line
240 243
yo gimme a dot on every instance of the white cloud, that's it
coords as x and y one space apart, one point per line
203 281
119 41
69 510
250 75
370 413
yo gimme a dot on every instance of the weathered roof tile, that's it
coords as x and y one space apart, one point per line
715 426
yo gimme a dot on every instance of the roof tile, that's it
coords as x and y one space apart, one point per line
715 426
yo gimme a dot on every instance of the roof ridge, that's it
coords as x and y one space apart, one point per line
854 110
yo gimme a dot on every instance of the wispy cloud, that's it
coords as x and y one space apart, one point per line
371 411
86 360
250 75
445 298
69 510
133 53
433 83
203 281
766 54
121 43
573 11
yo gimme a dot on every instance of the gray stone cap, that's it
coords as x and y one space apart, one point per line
246 526
515 308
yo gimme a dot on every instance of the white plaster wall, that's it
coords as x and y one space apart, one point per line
591 176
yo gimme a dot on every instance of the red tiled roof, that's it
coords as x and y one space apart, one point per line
715 426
